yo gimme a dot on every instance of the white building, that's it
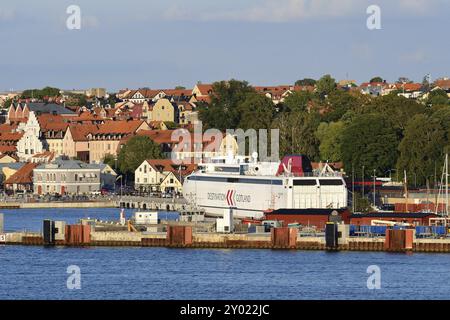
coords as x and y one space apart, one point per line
30 143
161 175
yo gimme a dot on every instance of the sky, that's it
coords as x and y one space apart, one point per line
165 43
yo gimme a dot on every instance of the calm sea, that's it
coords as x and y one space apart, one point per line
161 273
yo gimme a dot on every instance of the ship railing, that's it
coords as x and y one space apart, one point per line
317 174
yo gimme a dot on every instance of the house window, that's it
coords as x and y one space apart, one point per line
145 169
145 180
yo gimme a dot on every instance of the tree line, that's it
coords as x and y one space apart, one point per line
386 133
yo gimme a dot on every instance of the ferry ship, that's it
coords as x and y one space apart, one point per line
251 187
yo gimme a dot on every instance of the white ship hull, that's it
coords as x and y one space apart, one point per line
252 195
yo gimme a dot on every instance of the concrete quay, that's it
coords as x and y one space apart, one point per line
153 203
184 237
56 204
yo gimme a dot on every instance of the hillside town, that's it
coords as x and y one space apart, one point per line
68 142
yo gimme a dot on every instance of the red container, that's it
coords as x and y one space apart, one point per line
293 237
280 237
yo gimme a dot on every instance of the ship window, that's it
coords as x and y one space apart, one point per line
305 182
261 181
331 182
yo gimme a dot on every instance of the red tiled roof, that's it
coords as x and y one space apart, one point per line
168 166
10 136
205 89
52 122
23 176
4 127
304 88
262 89
409 86
443 84
80 132
7 149
119 127
177 92
88 116
206 99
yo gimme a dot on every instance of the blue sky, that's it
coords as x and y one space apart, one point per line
159 44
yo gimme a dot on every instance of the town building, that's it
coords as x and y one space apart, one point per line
30 142
108 177
7 170
161 175
71 177
76 142
106 139
22 179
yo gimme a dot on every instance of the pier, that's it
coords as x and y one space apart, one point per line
187 235
154 203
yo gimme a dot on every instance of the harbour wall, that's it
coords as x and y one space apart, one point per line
278 238
46 205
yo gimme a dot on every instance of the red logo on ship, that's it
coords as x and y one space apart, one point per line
230 197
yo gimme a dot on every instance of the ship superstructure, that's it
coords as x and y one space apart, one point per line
252 187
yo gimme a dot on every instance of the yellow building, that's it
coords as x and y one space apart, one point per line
164 110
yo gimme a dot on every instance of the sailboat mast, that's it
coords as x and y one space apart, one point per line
446 184
406 190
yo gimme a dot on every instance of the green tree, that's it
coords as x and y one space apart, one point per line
7 104
222 113
76 100
325 85
257 112
370 141
171 125
180 88
135 151
298 101
437 97
305 82
399 109
423 144
330 135
110 160
40 93
338 103
298 133
376 79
